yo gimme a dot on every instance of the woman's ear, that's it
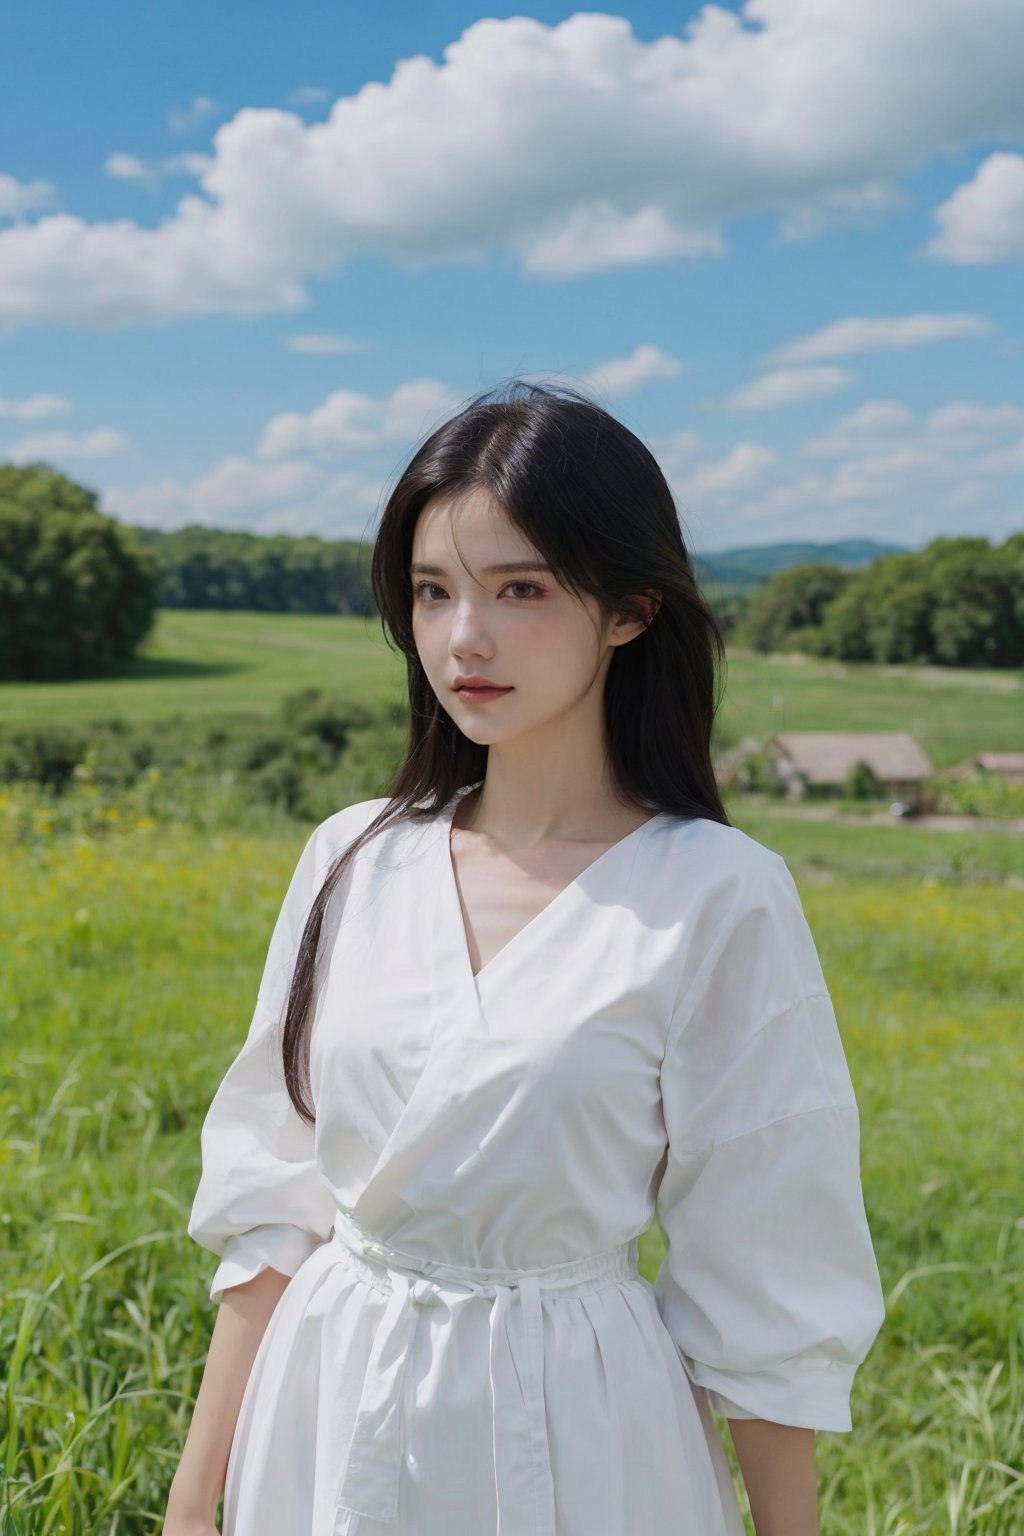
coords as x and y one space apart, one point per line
652 602
628 628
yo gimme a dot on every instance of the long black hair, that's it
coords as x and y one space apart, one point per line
591 498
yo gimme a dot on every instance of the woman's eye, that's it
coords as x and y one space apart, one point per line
423 588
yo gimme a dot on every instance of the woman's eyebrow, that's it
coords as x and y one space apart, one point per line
419 569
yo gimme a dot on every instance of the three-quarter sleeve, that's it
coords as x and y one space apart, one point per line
770 1288
261 1202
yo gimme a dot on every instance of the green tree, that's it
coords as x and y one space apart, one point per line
77 593
957 602
844 622
971 605
899 610
785 613
860 782
1011 565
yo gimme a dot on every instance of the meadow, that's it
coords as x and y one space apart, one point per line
127 980
204 664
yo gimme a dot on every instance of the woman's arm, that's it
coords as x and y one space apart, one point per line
242 1318
780 1473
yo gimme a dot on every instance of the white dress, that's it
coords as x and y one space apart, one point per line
465 1346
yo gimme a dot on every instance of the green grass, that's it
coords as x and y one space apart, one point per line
128 980
952 712
206 663
828 850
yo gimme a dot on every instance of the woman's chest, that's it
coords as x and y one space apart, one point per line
573 1005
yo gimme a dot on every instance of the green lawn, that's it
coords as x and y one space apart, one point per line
952 712
206 663
826 850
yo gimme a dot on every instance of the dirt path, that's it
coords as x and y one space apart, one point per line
1015 827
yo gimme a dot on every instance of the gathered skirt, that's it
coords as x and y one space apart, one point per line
389 1398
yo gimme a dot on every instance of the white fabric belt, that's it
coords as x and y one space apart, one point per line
522 1465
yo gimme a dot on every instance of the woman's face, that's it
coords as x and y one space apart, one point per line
514 626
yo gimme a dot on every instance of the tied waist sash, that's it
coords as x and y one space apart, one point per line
524 1485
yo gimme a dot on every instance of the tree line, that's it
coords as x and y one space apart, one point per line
958 602
201 567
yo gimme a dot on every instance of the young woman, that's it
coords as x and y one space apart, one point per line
539 994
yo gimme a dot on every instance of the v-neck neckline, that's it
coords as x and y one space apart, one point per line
445 820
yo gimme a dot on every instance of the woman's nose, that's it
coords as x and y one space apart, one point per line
469 629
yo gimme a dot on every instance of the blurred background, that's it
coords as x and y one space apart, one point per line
248 260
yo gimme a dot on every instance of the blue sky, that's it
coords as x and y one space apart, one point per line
250 256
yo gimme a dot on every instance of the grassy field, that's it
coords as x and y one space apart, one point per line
128 971
207 663
829 851
128 985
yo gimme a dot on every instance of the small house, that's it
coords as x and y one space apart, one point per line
809 761
1010 765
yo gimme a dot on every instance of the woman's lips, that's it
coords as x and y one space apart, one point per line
481 695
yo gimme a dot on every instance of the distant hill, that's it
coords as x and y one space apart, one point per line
750 565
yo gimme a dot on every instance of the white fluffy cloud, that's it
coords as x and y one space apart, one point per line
128 168
290 496
308 95
644 365
191 163
575 147
233 485
122 167
856 205
34 406
787 386
875 426
321 345
707 484
599 235
18 198
101 443
881 469
872 424
971 424
857 334
185 119
742 466
983 221
348 421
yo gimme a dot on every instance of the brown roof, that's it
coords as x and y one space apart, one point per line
1001 762
825 757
